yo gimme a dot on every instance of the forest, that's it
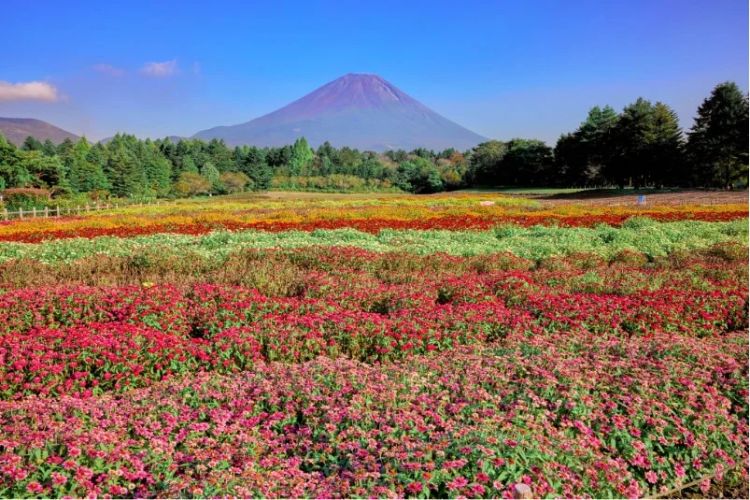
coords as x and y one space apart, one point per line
641 146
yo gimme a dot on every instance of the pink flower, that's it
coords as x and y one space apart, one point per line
651 477
58 479
482 477
458 483
34 487
414 488
477 490
116 489
679 470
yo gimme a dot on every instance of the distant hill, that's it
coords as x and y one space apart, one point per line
171 138
356 110
16 130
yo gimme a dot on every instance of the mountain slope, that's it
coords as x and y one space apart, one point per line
361 111
16 130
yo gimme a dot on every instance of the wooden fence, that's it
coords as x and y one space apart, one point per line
58 211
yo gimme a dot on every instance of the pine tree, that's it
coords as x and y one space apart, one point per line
667 148
85 170
122 169
12 171
254 166
631 139
717 142
32 144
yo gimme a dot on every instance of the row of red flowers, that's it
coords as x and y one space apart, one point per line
370 225
74 339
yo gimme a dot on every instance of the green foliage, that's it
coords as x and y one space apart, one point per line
419 175
85 172
717 144
126 176
519 162
12 171
212 175
580 157
253 164
301 158
486 159
24 198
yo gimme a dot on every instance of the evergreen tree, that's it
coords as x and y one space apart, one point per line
44 171
49 148
301 157
83 167
632 137
253 165
717 142
188 165
667 148
122 169
220 155
32 144
12 171
158 172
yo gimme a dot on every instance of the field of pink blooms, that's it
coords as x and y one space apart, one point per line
336 371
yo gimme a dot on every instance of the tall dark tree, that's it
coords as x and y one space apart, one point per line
571 162
632 161
667 148
253 164
595 135
527 162
717 142
485 162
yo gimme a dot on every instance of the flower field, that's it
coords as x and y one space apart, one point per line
366 214
582 350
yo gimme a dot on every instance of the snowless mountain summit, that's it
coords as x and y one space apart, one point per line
16 130
357 110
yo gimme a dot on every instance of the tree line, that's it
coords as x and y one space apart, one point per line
642 146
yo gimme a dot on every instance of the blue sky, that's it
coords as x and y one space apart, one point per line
503 69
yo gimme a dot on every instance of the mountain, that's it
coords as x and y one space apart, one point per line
16 130
361 111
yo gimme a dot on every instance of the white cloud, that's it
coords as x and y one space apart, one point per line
28 91
108 69
160 69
